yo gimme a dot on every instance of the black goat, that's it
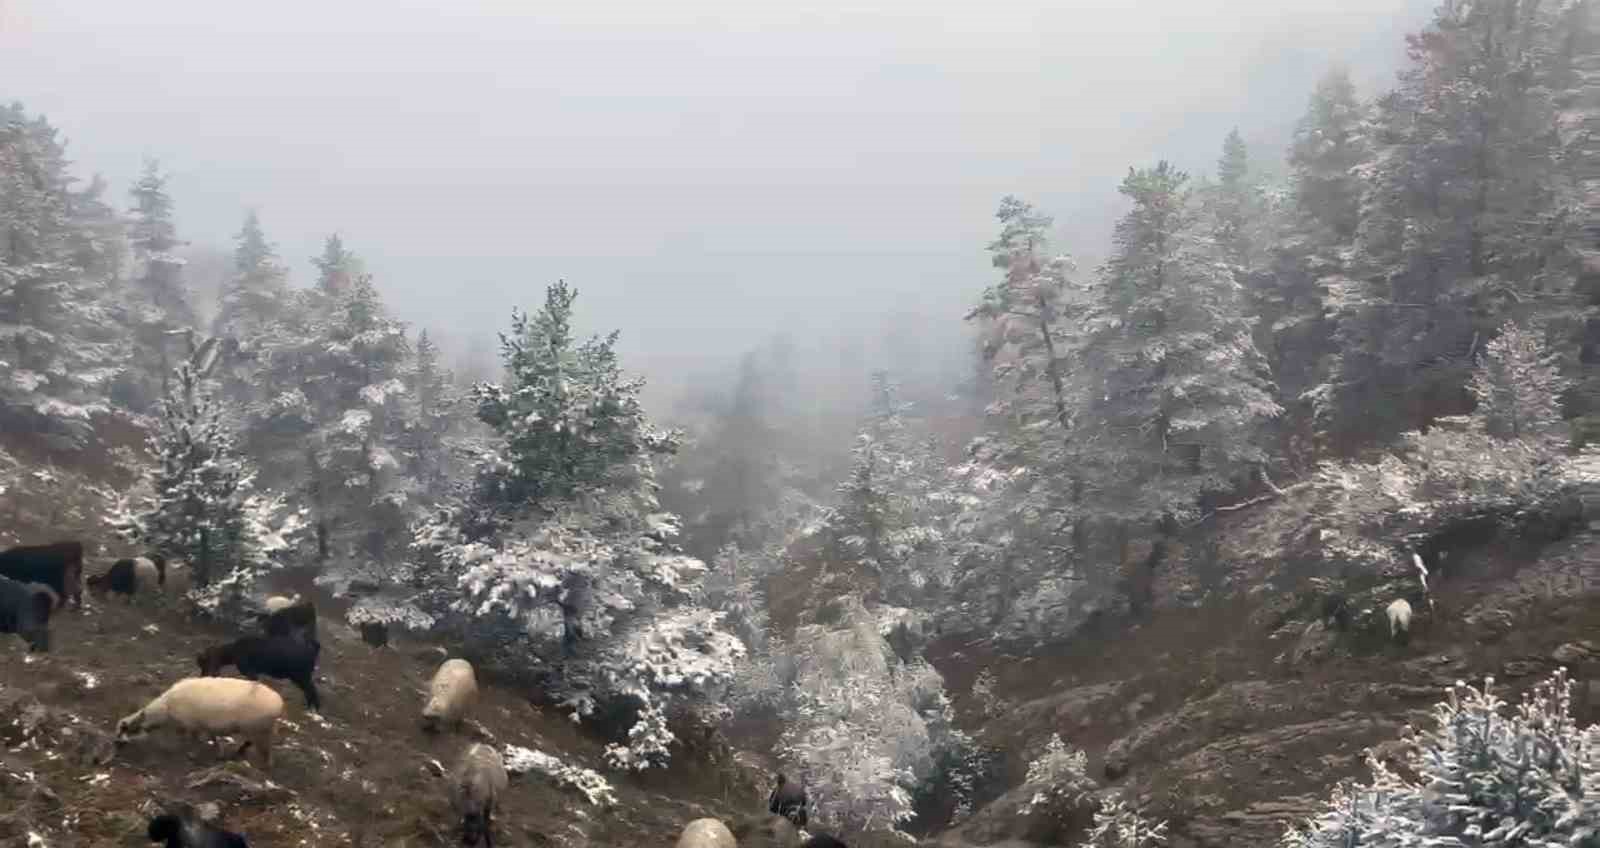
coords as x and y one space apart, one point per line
282 657
25 610
788 800
187 831
823 840
299 620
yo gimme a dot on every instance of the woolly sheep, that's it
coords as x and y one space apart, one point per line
475 789
188 831
706 833
451 695
1400 619
210 707
278 602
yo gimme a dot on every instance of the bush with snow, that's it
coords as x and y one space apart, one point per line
594 788
1058 778
1484 775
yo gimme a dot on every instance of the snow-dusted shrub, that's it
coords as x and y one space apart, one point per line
594 788
1484 776
866 730
1118 824
683 653
1059 777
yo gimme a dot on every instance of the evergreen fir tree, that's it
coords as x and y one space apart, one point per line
1185 390
201 483
157 305
1329 144
1518 385
254 298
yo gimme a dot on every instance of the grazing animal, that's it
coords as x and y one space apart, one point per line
452 694
475 788
25 610
766 832
188 831
58 565
298 620
706 833
788 800
274 656
211 707
127 577
375 633
1400 620
823 840
279 602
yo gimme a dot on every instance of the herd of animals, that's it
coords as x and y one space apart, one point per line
36 580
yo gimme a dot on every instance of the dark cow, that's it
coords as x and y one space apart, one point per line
788 800
188 831
299 621
25 610
282 657
58 565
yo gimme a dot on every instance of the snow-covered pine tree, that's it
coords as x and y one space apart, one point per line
156 303
569 417
61 343
1233 202
1329 143
1466 214
564 537
1184 391
426 445
1518 385
254 297
1311 248
201 483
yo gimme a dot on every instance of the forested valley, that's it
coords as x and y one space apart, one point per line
1131 582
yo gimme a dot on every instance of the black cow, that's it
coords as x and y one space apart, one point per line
188 831
25 610
823 840
788 800
58 565
282 657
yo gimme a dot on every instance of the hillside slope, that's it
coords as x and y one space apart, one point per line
360 774
1233 714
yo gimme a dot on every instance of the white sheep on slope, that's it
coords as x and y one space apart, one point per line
1400 620
210 707
452 694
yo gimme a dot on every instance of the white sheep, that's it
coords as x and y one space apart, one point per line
145 574
209 707
1399 619
475 789
278 602
706 833
452 694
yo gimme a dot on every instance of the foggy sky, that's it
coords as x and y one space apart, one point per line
704 171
